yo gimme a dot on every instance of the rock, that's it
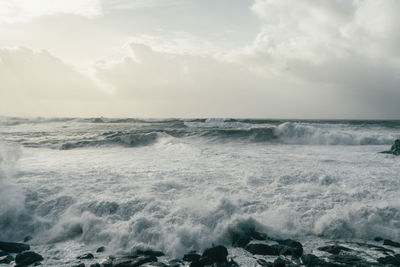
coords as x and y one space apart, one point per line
79 265
393 260
85 256
290 247
395 149
262 249
27 238
191 257
27 257
334 249
6 259
2 253
150 252
11 247
346 259
265 263
129 262
216 254
391 243
378 239
156 264
281 262
312 260
107 263
95 265
240 241
196 264
174 263
37 263
100 249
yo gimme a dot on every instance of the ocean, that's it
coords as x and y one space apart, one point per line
181 185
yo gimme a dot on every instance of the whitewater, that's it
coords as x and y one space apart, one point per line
180 185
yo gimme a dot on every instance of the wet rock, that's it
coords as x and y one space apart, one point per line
6 259
395 149
37 263
312 260
346 259
265 263
107 263
378 239
191 257
156 264
2 253
27 257
27 238
290 247
11 247
129 262
334 249
391 243
79 265
393 260
150 252
282 262
240 241
377 248
95 265
216 254
174 263
262 249
85 256
100 249
196 264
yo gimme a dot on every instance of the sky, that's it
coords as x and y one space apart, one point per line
302 59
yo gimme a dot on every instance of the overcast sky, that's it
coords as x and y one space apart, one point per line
200 58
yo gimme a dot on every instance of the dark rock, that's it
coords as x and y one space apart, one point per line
393 260
107 263
174 263
11 247
27 238
312 260
391 243
27 257
265 263
85 256
258 236
37 263
345 259
281 262
6 259
262 249
79 265
378 239
395 149
100 249
129 262
334 249
216 254
191 257
150 252
2 253
290 247
240 241
157 264
95 265
196 264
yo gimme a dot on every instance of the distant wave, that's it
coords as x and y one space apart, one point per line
124 139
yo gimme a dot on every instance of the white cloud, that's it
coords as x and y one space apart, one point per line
12 11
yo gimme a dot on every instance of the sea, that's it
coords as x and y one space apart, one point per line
177 185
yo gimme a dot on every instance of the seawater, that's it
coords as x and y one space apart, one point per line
180 185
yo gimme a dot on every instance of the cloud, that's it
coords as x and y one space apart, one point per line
12 11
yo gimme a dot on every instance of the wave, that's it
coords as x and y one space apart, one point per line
111 138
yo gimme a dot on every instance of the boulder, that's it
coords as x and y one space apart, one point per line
95 265
6 259
290 247
149 252
393 260
11 247
191 257
312 260
395 149
391 243
100 249
79 265
262 249
216 254
334 249
129 262
27 257
85 256
2 253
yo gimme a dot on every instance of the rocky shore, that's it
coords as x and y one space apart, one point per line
263 250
